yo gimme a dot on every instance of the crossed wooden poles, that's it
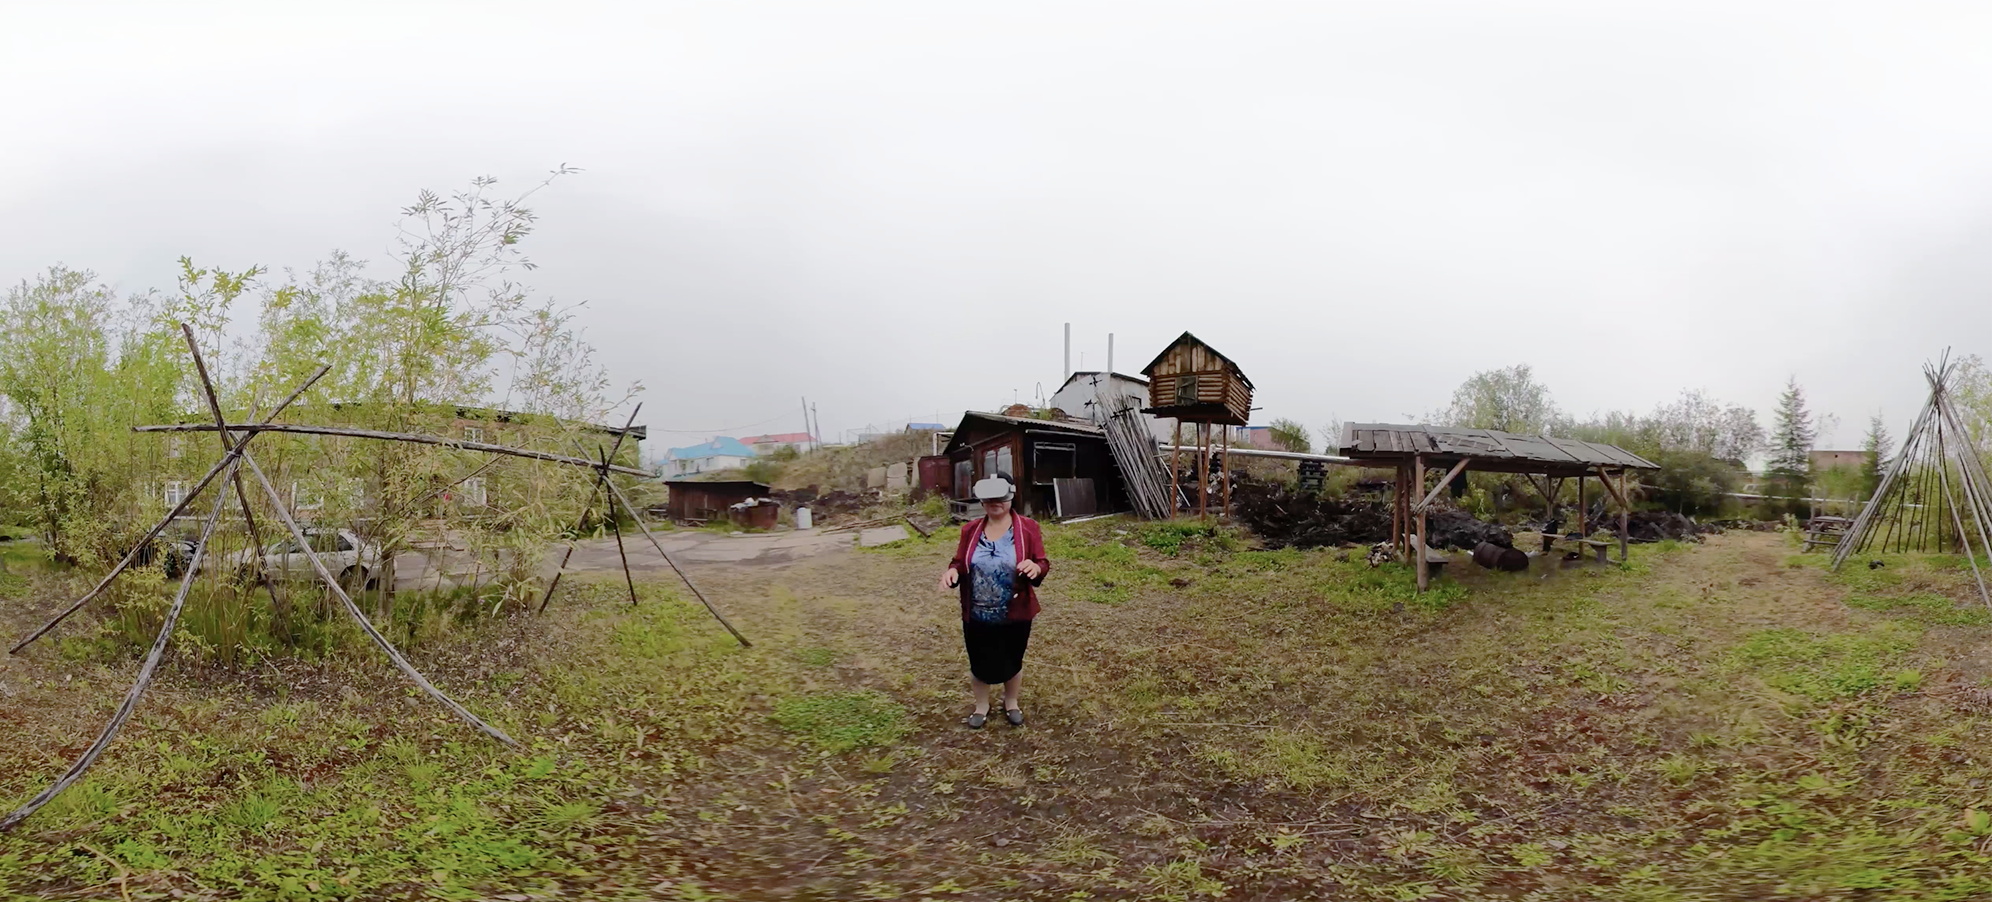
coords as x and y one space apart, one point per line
235 440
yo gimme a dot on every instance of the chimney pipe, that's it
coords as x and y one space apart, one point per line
1110 354
1068 351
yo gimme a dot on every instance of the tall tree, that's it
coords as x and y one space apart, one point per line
1789 473
1510 400
1877 445
1291 436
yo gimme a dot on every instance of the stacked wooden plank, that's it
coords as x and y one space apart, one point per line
1139 458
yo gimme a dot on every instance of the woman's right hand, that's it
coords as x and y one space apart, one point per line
950 579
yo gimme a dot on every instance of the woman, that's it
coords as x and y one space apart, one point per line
996 570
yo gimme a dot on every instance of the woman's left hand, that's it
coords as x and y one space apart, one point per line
1029 569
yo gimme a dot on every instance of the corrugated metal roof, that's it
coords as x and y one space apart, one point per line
1070 427
1379 441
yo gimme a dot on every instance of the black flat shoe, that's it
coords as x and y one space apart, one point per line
975 721
1015 716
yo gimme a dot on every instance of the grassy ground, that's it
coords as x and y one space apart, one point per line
1726 721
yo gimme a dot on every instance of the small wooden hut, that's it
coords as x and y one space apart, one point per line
1191 382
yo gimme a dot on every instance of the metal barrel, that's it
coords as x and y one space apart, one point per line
1494 557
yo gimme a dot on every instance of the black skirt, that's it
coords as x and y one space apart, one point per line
995 650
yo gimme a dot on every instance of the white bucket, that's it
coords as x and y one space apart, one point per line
803 519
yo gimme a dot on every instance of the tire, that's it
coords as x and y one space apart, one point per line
352 577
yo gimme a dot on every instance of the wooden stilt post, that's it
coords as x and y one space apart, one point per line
1397 511
1175 468
1418 548
1225 475
1625 517
1203 470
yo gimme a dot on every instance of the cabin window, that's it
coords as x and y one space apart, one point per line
1003 463
964 478
988 463
1186 389
176 492
1053 460
473 491
473 434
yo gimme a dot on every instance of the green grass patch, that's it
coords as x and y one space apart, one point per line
1823 668
1171 536
1926 607
843 721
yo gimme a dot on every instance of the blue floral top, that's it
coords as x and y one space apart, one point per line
992 574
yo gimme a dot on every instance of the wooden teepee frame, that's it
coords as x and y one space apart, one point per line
235 438
1917 506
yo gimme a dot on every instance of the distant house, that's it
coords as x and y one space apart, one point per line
768 444
1090 395
1833 460
926 427
719 454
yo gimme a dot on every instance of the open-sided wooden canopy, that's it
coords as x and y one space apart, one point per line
1485 449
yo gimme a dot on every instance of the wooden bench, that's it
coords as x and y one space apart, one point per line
1435 562
1598 547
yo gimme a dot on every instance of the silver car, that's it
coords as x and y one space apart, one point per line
354 561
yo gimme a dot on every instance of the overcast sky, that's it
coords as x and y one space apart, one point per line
894 208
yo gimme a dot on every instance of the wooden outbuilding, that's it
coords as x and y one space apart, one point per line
1061 468
1191 382
1415 451
696 501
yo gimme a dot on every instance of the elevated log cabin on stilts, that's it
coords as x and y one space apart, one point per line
1191 382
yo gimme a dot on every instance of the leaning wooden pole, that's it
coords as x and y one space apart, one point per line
157 528
1970 554
366 626
594 488
1859 535
138 686
615 523
618 495
228 442
343 432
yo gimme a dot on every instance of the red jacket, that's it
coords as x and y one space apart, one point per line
1030 547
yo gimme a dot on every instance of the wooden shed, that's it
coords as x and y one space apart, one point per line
696 501
1192 382
1061 468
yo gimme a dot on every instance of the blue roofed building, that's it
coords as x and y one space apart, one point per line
722 453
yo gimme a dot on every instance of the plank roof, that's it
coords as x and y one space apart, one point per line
1187 337
1490 449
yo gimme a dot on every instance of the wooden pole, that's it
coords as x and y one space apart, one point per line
617 494
615 523
594 489
228 440
138 686
1175 469
1225 477
366 626
132 555
300 429
1400 523
1203 470
1582 509
1424 542
1625 518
